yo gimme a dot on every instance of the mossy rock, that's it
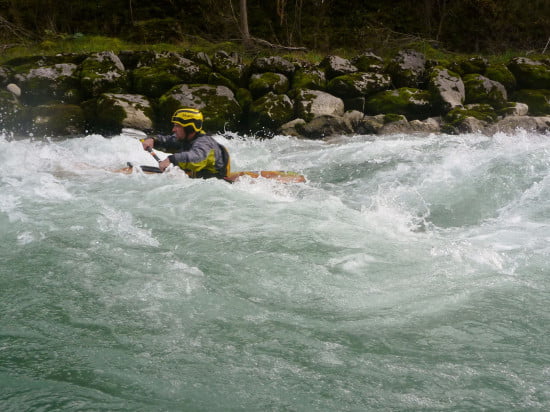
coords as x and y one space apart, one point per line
263 83
392 118
153 81
368 62
231 67
165 70
115 111
480 89
501 74
309 104
411 103
218 104
408 69
309 78
447 89
537 100
270 112
103 72
482 112
217 79
46 84
244 97
358 84
470 65
57 120
530 74
272 64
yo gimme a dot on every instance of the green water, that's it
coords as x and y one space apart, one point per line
409 273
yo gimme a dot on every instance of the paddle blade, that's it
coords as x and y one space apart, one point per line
135 133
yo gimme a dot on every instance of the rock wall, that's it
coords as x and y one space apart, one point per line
103 92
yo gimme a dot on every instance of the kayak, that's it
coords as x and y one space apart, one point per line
278 175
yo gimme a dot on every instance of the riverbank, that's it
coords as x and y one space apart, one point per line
75 94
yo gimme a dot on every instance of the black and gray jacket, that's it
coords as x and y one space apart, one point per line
202 157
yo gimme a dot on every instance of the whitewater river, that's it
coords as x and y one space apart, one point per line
408 273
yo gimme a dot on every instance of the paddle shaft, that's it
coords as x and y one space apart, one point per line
150 150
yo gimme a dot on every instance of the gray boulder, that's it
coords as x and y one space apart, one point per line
368 62
274 64
447 88
515 109
325 126
480 89
291 128
511 124
49 83
334 66
358 84
115 111
270 112
231 67
102 73
156 76
314 103
263 83
407 69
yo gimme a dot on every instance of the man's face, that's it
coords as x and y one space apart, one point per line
179 132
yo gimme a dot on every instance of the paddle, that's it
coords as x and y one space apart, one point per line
141 136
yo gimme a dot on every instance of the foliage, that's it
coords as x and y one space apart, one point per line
323 26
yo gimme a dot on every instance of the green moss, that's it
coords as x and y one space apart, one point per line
537 100
217 79
482 112
100 74
244 97
153 81
358 84
392 117
109 115
409 102
530 74
469 65
479 90
263 83
308 79
270 112
501 74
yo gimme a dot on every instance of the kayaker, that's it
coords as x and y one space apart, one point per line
197 153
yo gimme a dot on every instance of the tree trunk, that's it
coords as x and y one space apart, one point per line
247 41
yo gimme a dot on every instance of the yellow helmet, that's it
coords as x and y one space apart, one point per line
188 117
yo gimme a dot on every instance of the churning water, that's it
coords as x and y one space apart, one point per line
408 273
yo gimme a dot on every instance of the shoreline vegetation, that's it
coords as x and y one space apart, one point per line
74 85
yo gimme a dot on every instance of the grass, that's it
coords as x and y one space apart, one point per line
85 44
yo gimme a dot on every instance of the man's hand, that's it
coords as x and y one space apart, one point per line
148 143
164 164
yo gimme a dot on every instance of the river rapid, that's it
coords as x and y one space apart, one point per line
408 273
